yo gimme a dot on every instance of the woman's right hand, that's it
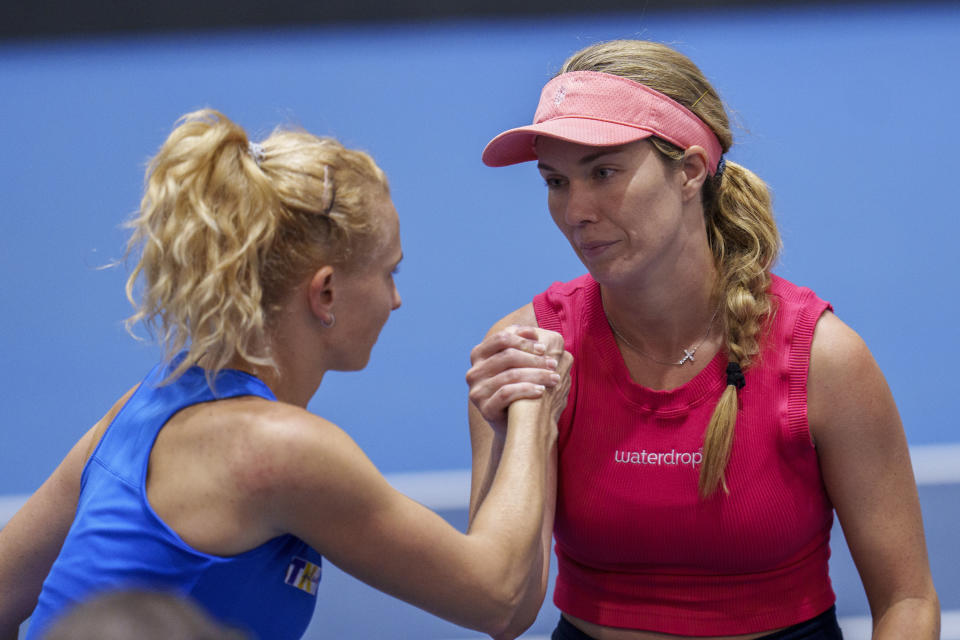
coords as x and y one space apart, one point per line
519 362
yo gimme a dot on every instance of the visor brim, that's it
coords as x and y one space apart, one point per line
517 145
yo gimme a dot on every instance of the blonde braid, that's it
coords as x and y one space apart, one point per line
743 237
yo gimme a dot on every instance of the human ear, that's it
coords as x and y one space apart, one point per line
320 293
693 165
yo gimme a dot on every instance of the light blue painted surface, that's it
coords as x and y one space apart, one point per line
848 113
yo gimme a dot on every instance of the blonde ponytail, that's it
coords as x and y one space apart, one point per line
223 235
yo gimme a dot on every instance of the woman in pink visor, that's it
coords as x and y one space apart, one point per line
718 414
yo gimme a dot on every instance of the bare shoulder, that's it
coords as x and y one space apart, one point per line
524 316
242 450
836 349
299 472
845 385
275 445
227 475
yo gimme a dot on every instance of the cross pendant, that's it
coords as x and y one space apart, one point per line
687 355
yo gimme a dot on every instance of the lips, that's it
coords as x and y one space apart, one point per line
594 248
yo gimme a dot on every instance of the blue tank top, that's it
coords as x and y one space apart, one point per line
117 540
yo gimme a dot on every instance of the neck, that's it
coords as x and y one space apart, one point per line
295 378
663 318
289 381
667 305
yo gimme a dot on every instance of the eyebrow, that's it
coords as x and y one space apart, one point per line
587 159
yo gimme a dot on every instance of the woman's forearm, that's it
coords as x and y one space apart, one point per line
916 618
484 473
536 589
516 497
513 490
511 515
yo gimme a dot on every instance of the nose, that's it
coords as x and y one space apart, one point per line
579 205
397 301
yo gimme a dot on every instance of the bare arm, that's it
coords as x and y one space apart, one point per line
30 542
337 501
867 472
496 379
506 367
487 446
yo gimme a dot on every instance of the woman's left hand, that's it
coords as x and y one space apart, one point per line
517 362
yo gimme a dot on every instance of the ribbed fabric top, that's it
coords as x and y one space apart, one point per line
118 541
636 546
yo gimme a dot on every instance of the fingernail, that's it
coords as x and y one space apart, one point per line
539 387
539 348
555 377
551 363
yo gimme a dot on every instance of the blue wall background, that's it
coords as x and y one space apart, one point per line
849 113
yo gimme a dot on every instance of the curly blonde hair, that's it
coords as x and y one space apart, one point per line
738 214
223 236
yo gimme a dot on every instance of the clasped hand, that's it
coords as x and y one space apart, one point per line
518 363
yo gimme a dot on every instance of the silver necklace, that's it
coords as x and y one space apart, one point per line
687 353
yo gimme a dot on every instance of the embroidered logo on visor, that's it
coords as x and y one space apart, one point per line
303 575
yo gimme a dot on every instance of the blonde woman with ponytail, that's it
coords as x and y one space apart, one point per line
260 267
718 414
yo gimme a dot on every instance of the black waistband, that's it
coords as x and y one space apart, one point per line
822 627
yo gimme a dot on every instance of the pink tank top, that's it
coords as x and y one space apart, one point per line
636 546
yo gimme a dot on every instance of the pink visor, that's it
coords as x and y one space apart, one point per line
602 110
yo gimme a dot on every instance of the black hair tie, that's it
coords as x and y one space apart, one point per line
735 375
721 167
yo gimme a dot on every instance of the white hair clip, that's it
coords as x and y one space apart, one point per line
328 191
256 152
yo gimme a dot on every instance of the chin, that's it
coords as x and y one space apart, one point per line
604 276
361 364
611 276
352 364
